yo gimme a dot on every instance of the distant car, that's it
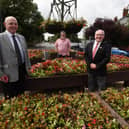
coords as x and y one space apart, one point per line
117 51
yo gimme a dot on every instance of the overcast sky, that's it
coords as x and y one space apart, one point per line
90 9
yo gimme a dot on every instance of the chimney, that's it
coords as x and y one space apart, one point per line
125 12
115 19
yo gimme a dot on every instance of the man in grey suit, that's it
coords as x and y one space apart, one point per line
14 61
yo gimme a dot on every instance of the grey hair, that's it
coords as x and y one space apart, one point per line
100 30
9 17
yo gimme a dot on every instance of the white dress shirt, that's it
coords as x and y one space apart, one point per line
19 45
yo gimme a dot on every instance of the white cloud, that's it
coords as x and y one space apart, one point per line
90 9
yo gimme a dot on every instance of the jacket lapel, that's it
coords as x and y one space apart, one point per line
91 47
8 42
21 43
100 47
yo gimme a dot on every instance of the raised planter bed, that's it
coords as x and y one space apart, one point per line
118 76
118 100
123 123
36 60
55 82
67 81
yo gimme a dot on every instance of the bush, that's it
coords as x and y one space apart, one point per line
114 32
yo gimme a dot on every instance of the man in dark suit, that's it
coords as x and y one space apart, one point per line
97 55
14 61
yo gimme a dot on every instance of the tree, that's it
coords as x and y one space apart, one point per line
28 16
114 32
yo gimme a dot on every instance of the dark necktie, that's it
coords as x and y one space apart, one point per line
17 49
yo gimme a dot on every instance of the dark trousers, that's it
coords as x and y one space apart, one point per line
96 82
12 89
61 56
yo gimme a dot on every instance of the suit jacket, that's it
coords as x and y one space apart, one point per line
8 57
101 58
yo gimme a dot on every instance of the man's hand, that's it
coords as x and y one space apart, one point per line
4 79
93 66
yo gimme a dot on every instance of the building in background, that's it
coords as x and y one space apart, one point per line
125 18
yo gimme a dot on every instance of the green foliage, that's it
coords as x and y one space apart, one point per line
54 38
73 38
114 32
28 17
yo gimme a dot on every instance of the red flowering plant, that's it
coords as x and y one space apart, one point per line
80 55
112 67
68 66
119 59
58 66
35 55
56 110
119 100
38 55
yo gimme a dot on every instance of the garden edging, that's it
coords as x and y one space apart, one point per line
67 81
122 122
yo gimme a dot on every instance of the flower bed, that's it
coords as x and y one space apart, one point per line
39 54
35 55
67 72
57 110
114 58
80 55
119 59
68 66
119 100
111 67
58 66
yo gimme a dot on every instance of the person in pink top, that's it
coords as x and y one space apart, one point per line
63 45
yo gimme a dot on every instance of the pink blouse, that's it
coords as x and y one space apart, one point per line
63 46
